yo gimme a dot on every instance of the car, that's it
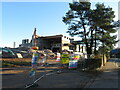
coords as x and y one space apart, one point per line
6 53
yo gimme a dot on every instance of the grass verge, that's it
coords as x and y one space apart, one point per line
14 63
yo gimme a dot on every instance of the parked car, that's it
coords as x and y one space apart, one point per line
21 54
7 53
14 53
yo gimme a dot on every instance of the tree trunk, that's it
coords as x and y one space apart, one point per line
85 36
95 42
91 43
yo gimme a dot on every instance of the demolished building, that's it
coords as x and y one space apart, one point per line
55 43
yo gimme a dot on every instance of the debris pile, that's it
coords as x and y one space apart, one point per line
48 52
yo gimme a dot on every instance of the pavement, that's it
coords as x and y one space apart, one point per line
109 78
106 77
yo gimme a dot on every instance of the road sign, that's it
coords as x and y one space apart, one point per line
65 59
73 63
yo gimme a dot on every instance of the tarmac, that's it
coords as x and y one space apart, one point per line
105 77
109 78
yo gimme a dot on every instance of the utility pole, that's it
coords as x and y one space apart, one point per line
14 44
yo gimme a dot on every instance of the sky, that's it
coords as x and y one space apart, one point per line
18 19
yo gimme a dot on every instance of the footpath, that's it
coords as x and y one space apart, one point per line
109 78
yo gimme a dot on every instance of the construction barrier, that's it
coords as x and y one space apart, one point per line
40 66
58 59
72 61
65 59
35 58
76 56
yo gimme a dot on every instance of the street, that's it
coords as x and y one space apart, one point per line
52 79
64 79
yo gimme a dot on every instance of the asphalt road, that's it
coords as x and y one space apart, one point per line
65 79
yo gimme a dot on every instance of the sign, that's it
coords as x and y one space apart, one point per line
76 56
65 59
71 56
43 60
19 55
73 63
34 64
58 57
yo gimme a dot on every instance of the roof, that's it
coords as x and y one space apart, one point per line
54 36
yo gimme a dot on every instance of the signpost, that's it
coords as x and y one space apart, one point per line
65 59
74 60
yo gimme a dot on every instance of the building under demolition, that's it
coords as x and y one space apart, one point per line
54 43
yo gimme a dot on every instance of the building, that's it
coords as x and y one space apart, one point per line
55 43
25 43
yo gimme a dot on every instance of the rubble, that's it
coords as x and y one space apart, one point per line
48 52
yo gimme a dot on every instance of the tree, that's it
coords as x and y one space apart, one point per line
78 23
105 26
93 26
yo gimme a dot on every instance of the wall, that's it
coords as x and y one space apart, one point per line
65 40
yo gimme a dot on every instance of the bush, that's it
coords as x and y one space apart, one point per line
90 64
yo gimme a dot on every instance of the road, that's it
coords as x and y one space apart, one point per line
19 77
65 79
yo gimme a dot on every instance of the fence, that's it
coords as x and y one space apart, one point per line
51 67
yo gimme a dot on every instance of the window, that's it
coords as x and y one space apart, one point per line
64 36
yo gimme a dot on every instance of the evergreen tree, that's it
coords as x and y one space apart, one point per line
105 26
95 27
78 22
